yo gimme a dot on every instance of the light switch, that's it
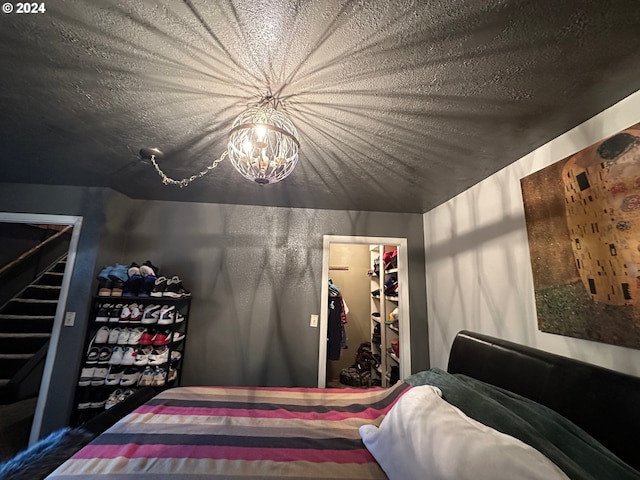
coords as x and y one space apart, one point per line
314 321
69 319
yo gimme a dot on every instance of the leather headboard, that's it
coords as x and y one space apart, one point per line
604 403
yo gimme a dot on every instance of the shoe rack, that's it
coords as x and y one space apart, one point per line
132 342
385 314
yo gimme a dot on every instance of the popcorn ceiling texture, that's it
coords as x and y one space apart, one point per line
400 105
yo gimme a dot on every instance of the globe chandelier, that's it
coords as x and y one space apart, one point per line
263 146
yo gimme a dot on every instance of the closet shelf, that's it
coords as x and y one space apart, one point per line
393 357
391 299
393 327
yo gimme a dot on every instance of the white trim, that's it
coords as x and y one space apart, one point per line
405 333
45 384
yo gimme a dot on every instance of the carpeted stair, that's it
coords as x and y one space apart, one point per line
26 322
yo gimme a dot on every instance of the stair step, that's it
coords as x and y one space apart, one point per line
51 278
11 363
59 267
26 323
15 356
44 292
22 342
30 306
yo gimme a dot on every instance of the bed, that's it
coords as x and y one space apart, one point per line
501 410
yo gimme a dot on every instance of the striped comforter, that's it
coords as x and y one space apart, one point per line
231 432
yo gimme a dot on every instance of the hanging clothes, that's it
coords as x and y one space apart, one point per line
337 319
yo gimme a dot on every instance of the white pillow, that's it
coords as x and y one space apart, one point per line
423 436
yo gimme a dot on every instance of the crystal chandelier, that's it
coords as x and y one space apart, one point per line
263 146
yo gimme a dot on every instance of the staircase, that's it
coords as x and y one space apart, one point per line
26 322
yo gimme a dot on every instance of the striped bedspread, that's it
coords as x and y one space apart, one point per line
229 432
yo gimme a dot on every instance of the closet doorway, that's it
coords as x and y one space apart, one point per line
346 263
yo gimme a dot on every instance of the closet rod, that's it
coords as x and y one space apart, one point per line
338 267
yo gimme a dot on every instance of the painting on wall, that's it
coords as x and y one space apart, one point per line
583 225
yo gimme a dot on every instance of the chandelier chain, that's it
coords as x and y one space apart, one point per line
166 180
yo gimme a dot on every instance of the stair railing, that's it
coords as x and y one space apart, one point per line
32 251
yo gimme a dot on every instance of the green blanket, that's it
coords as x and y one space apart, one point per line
578 454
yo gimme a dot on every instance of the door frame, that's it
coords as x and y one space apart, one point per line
45 383
403 301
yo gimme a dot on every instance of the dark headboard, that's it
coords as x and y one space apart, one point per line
604 403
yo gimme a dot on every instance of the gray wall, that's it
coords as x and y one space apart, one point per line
255 274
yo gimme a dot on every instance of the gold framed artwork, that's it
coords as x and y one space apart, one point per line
583 226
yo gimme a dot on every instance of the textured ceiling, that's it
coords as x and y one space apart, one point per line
400 105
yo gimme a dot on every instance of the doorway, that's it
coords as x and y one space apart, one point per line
60 223
337 266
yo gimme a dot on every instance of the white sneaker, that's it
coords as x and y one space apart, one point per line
116 356
128 356
159 356
113 335
99 374
114 376
166 315
136 333
151 314
129 377
142 357
123 337
102 335
177 337
85 376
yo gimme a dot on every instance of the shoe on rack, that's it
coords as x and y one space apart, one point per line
114 375
130 377
177 337
84 399
123 336
167 314
159 377
151 314
148 272
85 376
99 374
104 355
118 276
128 356
142 356
159 287
146 378
105 284
98 398
93 355
114 398
114 313
135 335
103 313
175 357
102 335
162 338
154 270
136 313
159 356
114 334
175 289
116 355
147 338
133 283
